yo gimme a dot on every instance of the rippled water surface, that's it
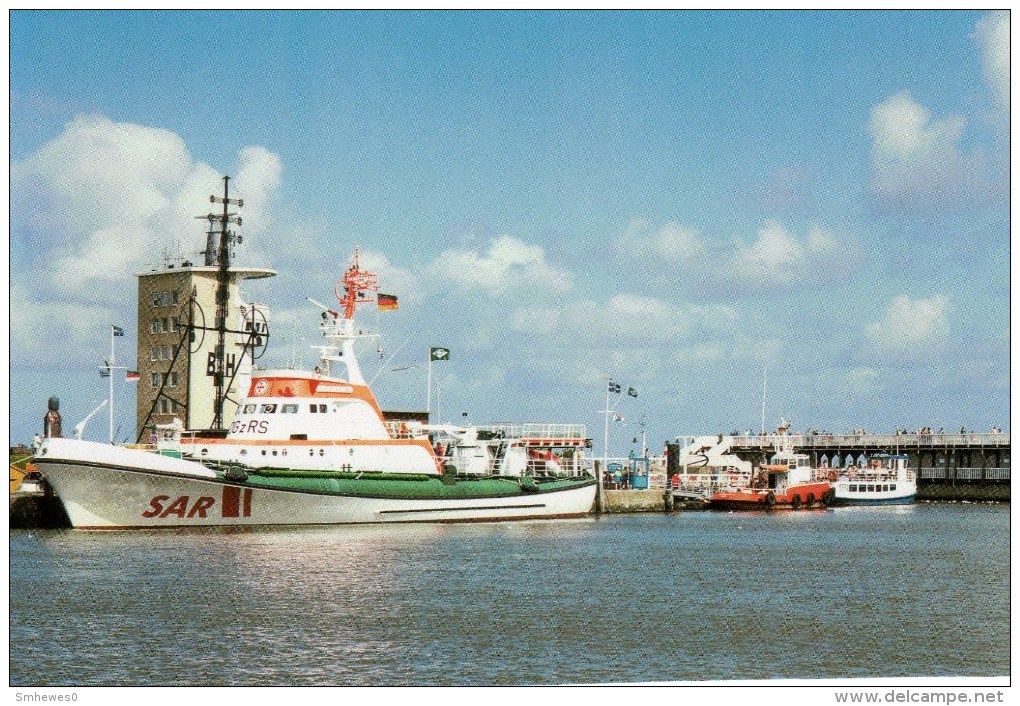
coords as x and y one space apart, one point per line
890 592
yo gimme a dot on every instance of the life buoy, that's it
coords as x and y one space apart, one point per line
795 502
770 499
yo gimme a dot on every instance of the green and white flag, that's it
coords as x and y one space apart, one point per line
439 353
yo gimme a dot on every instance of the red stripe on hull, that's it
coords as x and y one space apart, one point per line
231 501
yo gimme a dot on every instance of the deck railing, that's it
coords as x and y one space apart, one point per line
537 431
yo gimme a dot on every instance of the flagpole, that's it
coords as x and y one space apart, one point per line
109 369
605 443
428 403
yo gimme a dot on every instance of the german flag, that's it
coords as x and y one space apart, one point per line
386 302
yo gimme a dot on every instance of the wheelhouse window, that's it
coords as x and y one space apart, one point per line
249 408
853 488
268 409
289 409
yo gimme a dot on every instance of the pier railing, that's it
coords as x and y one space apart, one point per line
941 473
891 441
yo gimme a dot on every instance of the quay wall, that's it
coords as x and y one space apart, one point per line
625 501
933 491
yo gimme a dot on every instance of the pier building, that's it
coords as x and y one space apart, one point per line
177 364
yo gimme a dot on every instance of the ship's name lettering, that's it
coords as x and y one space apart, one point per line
179 507
251 426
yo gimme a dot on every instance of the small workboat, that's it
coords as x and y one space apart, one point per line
787 482
883 480
314 447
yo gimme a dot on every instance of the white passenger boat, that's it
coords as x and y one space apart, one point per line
313 447
883 480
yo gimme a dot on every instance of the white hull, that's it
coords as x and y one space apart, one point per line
162 492
905 493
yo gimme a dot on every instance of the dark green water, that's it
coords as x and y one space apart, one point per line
882 592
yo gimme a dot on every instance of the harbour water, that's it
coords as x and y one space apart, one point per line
912 591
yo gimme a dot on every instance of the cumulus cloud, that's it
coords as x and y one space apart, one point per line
624 317
258 177
992 36
507 264
671 242
774 259
777 256
915 158
911 323
98 203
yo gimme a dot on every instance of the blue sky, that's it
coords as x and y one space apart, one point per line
674 199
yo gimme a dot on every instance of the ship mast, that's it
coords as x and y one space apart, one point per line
357 284
338 326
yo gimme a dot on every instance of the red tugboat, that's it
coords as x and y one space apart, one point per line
788 482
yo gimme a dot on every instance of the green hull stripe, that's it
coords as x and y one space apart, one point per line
402 486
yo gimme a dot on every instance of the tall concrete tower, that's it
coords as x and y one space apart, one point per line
197 337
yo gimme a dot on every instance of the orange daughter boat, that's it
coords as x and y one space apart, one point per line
788 482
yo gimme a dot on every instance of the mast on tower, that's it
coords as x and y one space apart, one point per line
220 233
